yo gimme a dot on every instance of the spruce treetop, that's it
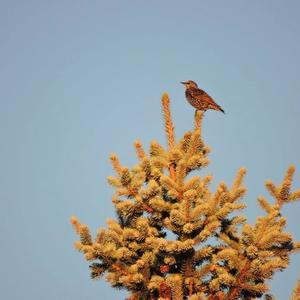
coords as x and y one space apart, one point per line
215 255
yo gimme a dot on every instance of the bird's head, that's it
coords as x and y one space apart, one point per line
189 84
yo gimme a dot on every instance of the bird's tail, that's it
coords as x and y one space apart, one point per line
221 109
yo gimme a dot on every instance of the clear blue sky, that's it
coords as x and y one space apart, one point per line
81 79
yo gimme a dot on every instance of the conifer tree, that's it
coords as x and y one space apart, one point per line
216 254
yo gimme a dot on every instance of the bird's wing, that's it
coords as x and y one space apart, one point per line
200 94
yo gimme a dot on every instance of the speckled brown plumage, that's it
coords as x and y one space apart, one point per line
199 98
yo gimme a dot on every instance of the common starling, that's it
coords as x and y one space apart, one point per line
198 98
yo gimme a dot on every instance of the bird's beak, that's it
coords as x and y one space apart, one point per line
183 82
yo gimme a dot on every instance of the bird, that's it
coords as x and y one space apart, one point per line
199 98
